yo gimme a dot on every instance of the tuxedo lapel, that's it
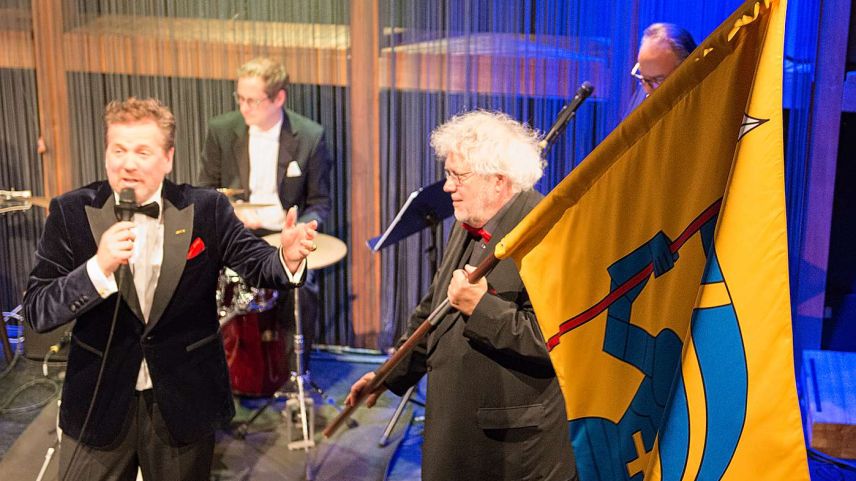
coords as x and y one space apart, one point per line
455 250
287 148
177 232
451 258
241 151
512 216
100 219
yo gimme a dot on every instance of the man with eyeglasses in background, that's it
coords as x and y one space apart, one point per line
269 154
493 410
663 47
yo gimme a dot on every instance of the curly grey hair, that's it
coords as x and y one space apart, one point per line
492 143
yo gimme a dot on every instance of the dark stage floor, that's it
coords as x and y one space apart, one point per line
28 431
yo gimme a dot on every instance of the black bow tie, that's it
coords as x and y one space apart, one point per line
152 209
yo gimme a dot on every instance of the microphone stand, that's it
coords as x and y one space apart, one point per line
568 112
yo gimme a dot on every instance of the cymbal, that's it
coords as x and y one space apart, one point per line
21 197
330 250
40 201
249 205
230 192
23 204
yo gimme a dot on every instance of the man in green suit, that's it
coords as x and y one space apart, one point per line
272 155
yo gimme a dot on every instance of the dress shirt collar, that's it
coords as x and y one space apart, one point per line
156 197
271 133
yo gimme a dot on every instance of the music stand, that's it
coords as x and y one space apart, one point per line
425 207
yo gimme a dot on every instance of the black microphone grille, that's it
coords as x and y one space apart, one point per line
586 89
125 208
127 196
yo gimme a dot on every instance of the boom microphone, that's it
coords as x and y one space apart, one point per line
566 114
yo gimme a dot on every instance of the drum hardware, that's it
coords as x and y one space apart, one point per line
299 406
249 205
329 251
253 338
235 298
20 200
230 192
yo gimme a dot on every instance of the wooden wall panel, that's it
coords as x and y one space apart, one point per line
365 171
54 117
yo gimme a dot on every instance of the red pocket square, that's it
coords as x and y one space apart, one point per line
196 248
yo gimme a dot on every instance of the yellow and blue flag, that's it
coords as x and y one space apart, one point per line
658 272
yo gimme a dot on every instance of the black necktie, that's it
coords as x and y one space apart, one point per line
152 209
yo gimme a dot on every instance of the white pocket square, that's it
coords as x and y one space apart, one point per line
293 169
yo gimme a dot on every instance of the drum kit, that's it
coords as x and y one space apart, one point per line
256 341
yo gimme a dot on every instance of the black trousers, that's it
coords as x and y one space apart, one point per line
145 444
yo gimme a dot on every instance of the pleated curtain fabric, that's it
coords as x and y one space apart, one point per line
438 58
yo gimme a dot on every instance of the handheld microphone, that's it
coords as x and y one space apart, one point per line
566 114
127 201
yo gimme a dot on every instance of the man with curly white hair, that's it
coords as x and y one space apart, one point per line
494 409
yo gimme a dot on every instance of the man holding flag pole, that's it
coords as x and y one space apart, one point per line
658 271
679 310
494 410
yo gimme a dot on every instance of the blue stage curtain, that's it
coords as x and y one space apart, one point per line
801 42
439 58
525 58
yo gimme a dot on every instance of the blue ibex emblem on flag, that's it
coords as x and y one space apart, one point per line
607 450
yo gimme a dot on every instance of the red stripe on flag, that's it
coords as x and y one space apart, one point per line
595 310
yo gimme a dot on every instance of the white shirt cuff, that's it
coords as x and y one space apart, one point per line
103 284
292 278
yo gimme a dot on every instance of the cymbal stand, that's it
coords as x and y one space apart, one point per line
298 375
307 441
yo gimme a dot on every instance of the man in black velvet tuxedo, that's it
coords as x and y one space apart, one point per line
274 156
493 409
142 291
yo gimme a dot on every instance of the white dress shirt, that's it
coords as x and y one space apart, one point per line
264 156
145 264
